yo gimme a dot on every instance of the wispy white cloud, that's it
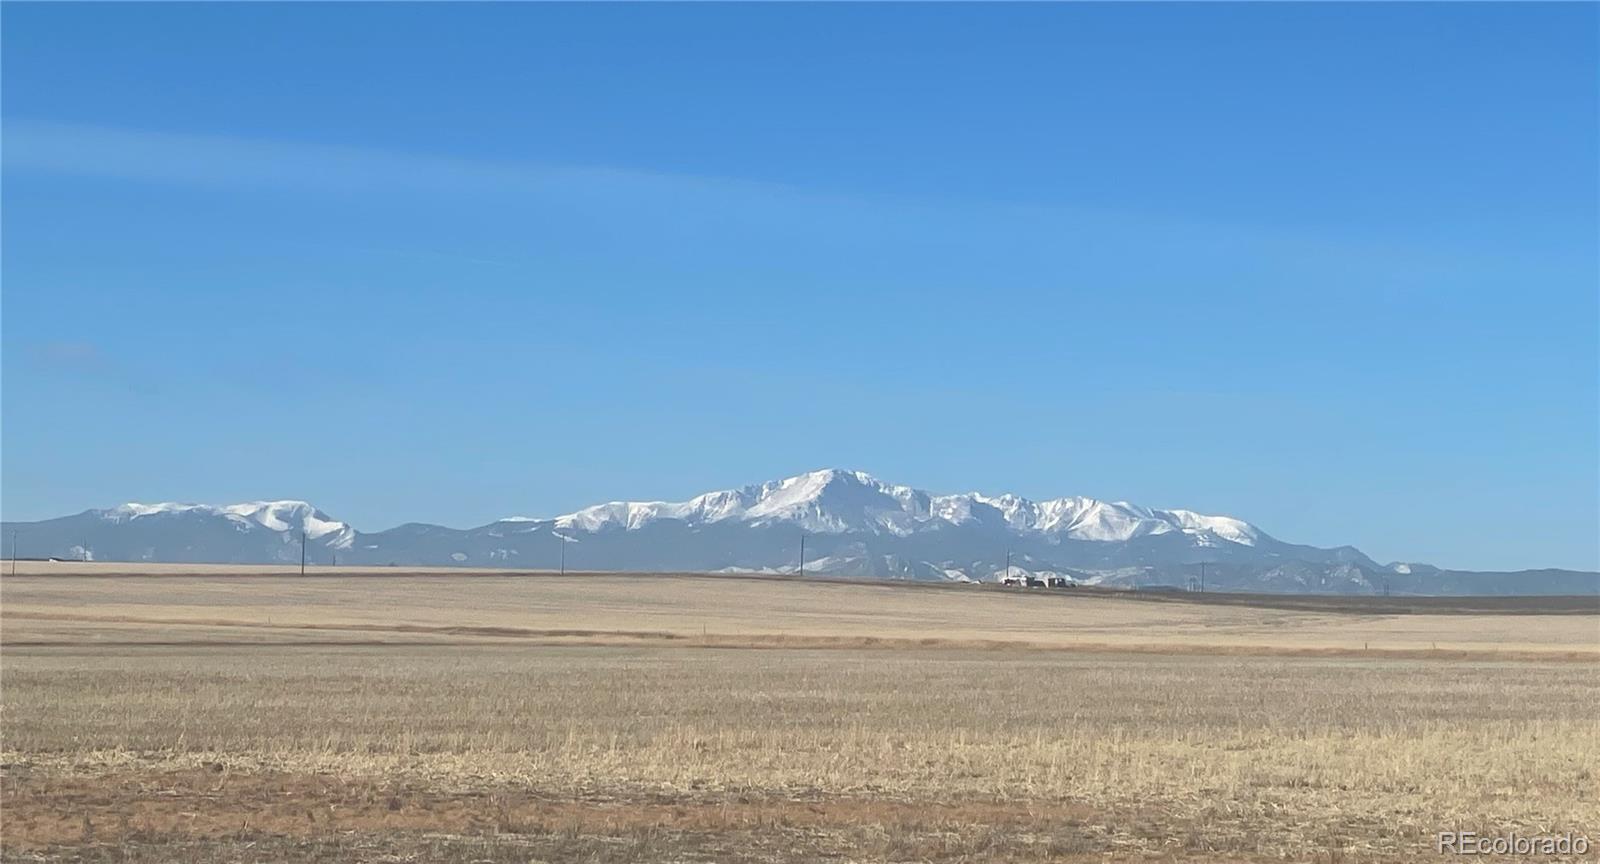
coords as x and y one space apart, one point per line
171 157
678 204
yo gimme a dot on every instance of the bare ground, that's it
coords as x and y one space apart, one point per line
614 719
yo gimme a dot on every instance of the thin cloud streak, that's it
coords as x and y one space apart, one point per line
170 157
674 200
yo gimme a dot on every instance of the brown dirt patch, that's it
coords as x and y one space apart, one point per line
212 803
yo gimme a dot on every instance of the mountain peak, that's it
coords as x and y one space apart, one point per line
842 501
822 479
280 516
856 524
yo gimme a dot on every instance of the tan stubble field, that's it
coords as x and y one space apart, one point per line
222 716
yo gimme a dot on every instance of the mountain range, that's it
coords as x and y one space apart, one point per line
853 524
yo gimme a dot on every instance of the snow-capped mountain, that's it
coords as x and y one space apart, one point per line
832 501
853 523
249 533
294 516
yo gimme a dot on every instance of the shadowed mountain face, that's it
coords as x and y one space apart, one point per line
853 525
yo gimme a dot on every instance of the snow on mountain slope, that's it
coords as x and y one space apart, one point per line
133 510
833 501
711 507
1234 530
829 501
857 526
278 516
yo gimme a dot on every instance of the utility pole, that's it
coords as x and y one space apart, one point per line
1008 565
563 554
1202 577
302 552
13 552
802 554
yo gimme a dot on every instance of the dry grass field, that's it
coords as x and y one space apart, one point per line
213 716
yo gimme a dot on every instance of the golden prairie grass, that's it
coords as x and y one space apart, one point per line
457 750
738 612
1248 751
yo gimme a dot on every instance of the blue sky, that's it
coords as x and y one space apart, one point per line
1329 268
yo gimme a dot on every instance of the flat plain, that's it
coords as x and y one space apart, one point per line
216 714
